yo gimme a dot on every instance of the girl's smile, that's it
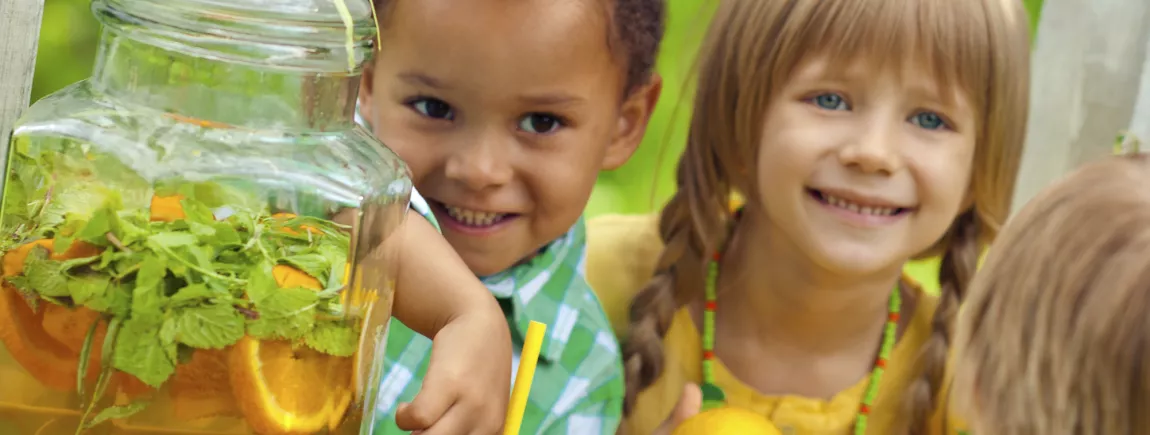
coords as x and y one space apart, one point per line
859 209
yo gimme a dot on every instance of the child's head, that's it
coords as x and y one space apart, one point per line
506 110
866 132
1054 336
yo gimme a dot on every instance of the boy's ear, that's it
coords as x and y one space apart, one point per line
633 119
366 90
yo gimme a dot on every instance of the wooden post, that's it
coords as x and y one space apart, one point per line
19 35
1087 66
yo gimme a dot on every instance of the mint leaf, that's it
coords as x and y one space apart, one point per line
197 293
333 338
148 300
95 231
117 412
261 283
140 352
172 239
315 265
89 289
77 201
42 276
286 313
213 326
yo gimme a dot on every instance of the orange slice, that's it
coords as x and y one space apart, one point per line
167 208
47 342
202 388
290 277
284 389
289 216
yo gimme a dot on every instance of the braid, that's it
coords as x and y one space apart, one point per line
654 307
956 270
692 224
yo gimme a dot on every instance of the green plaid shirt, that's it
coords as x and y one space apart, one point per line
578 386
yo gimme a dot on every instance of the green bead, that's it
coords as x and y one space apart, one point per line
712 393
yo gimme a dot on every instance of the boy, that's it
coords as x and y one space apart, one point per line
506 111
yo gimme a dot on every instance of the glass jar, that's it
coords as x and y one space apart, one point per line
193 237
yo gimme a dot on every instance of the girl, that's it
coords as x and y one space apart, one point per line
1052 338
863 133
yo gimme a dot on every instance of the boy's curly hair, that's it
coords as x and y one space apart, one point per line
637 28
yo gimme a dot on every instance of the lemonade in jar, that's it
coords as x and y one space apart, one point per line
192 238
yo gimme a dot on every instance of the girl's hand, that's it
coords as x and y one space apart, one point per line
690 403
468 380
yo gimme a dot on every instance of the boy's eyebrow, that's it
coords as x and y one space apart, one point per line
421 79
556 99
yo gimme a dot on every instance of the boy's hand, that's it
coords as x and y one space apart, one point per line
468 380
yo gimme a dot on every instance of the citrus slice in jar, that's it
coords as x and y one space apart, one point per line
283 387
47 341
202 388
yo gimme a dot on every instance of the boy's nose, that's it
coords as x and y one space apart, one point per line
480 165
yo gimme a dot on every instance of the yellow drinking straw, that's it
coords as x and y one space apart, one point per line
523 378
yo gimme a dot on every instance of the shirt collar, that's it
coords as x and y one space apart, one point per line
537 288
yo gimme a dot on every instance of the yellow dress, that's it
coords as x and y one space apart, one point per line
621 255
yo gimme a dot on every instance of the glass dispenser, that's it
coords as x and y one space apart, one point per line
193 238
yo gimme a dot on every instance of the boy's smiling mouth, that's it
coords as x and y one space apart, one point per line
471 219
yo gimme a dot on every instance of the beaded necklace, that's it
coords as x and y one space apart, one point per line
714 397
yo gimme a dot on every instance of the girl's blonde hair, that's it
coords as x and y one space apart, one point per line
1055 336
980 47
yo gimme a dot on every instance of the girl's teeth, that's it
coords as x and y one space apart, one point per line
844 204
474 218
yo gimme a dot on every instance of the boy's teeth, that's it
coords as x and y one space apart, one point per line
474 218
844 204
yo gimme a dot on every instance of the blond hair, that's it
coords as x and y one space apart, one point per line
979 47
1054 336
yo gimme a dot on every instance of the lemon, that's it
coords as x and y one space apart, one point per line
727 421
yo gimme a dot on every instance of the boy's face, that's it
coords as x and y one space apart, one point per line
505 111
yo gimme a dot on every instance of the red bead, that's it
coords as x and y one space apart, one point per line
708 355
864 409
711 305
880 363
893 317
716 256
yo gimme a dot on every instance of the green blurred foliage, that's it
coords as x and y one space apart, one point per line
67 48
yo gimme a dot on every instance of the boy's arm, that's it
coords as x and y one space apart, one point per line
433 285
469 374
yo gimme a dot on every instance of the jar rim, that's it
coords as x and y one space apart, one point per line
307 27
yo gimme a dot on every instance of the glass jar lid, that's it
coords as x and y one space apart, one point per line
321 36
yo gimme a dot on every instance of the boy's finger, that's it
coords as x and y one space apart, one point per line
452 423
423 411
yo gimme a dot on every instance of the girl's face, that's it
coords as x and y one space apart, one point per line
863 169
505 111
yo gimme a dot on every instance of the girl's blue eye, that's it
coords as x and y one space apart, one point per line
830 102
540 123
928 120
433 108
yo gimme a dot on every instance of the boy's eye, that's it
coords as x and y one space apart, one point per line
540 123
433 108
830 102
928 120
